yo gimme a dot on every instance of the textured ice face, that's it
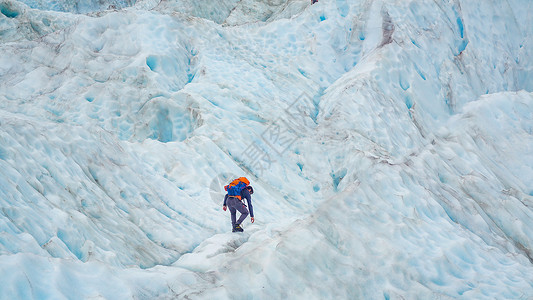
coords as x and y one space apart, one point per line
78 7
388 143
229 12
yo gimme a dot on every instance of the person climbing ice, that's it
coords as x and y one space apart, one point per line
237 190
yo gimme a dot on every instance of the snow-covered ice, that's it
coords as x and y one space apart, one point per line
389 143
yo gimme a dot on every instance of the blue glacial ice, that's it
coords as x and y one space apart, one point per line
389 143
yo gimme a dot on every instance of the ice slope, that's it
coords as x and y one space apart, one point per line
389 144
83 6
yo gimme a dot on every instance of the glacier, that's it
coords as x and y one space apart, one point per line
389 144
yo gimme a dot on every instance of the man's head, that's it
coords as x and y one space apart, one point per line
250 189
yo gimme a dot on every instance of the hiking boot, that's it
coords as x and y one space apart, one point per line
237 228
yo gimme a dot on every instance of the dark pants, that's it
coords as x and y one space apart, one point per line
235 205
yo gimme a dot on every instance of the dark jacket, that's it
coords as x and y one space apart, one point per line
245 194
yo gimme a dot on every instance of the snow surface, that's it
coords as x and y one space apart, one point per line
389 143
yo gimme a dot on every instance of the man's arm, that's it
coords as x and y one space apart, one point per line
246 194
224 205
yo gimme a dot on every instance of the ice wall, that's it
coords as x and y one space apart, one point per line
78 7
389 144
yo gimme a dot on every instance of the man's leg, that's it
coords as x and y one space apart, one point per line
233 212
243 210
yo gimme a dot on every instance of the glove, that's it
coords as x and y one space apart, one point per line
224 207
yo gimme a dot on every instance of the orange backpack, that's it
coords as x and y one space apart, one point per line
235 187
